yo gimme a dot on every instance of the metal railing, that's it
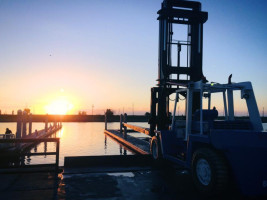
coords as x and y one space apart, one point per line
7 136
35 141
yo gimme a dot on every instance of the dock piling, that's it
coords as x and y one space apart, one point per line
19 120
125 127
57 155
106 122
46 123
30 124
121 120
24 124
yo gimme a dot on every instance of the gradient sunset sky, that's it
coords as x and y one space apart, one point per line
74 54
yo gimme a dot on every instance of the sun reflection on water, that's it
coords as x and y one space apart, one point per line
80 139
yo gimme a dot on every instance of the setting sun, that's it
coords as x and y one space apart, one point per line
59 107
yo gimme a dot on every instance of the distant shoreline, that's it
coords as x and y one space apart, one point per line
75 118
88 118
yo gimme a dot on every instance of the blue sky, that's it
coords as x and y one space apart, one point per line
105 52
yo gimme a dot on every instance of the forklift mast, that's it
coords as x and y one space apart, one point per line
180 59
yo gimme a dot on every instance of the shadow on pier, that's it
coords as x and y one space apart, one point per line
106 177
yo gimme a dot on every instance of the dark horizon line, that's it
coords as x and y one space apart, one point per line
91 118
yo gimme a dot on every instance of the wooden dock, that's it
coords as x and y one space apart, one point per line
24 131
135 144
34 137
14 147
39 135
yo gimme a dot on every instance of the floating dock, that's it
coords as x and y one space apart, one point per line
24 131
139 146
15 147
34 137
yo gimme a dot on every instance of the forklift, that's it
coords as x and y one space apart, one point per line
215 150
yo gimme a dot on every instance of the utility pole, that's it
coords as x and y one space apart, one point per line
133 108
93 109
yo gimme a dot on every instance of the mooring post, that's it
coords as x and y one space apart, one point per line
121 119
106 121
125 127
57 155
24 124
46 123
30 124
19 120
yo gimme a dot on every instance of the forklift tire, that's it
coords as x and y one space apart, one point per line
209 171
155 149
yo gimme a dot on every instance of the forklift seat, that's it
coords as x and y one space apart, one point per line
207 115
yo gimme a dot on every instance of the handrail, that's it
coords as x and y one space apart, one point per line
38 140
26 140
7 136
137 128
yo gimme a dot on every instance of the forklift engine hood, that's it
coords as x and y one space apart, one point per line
246 152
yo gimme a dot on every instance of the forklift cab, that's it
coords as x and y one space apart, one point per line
204 119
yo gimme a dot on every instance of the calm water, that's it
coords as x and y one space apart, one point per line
77 139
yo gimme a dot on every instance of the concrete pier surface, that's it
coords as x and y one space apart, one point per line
131 184
37 185
128 180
